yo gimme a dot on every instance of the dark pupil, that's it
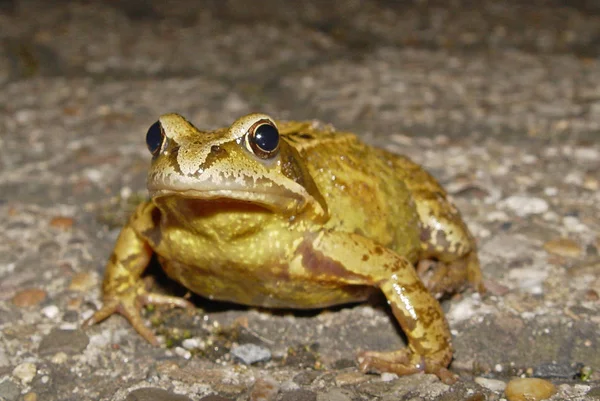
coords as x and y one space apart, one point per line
154 137
266 137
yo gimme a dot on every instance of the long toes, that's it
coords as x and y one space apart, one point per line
159 299
132 313
104 312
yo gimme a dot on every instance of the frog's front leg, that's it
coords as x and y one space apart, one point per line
123 289
355 260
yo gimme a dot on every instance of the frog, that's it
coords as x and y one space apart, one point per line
295 214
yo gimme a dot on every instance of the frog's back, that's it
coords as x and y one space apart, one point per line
364 187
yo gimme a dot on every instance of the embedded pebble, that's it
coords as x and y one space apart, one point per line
251 353
299 395
350 378
525 205
30 397
388 377
9 390
82 282
29 297
154 394
491 384
25 372
67 341
264 389
563 247
51 311
191 343
62 222
529 389
334 394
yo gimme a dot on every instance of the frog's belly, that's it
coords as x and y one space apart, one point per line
272 291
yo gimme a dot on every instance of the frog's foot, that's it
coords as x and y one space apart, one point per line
404 362
129 303
443 278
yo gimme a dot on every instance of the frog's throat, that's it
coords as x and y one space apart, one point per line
288 203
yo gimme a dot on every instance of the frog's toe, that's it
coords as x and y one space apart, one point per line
128 306
404 362
160 299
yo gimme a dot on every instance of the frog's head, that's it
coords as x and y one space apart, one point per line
248 162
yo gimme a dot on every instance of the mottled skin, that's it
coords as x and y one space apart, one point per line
324 220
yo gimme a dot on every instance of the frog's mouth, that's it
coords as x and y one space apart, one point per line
287 203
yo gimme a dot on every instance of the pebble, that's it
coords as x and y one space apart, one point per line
563 247
497 386
82 282
29 297
334 394
529 389
299 395
62 222
251 353
68 341
525 205
51 311
9 390
264 389
25 372
191 343
350 378
30 397
155 394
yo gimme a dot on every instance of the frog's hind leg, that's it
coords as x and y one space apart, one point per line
343 259
446 239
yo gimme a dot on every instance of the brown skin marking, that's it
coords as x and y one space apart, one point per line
318 264
365 257
154 234
441 240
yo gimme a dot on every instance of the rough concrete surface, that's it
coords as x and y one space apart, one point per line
500 100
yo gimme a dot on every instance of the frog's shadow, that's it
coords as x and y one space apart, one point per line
165 284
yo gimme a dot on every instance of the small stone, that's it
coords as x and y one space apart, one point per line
67 341
299 395
51 311
497 386
388 377
62 222
529 389
334 394
264 389
191 343
82 282
25 372
154 394
30 397
29 297
9 390
563 247
350 378
525 205
251 353
214 397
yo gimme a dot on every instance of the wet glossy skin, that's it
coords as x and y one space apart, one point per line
317 220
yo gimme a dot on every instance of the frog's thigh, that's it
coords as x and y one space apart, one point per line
445 237
353 259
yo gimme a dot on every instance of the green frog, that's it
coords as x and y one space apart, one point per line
295 215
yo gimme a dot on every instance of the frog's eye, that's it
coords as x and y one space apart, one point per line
155 138
263 139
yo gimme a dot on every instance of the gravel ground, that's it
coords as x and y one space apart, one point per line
499 100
